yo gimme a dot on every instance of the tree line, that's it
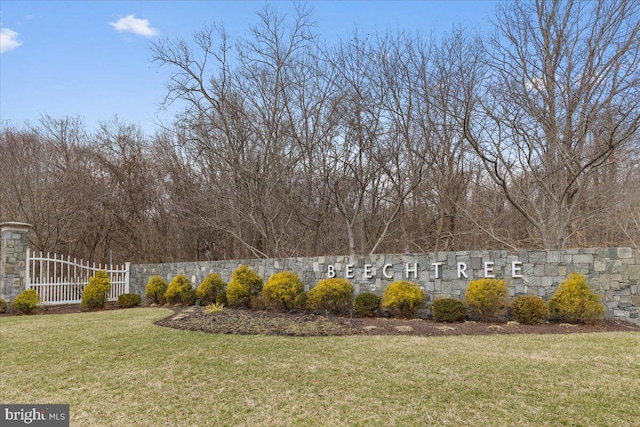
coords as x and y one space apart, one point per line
396 142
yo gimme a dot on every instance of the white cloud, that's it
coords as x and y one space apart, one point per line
131 24
8 40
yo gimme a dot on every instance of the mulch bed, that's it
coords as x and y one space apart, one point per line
266 322
247 322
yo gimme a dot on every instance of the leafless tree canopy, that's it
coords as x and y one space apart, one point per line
392 142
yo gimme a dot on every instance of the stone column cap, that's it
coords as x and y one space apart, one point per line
14 226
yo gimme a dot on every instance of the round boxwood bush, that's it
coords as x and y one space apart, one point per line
244 284
180 290
366 304
25 302
282 289
487 299
209 289
332 295
129 300
3 306
448 310
155 290
574 301
403 296
96 292
528 309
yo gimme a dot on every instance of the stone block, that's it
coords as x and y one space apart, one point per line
625 253
554 256
583 259
537 257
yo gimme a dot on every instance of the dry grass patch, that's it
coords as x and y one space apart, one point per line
117 368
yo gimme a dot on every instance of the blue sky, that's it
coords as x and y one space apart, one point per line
92 59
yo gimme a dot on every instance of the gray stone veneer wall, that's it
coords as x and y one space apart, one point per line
13 255
614 273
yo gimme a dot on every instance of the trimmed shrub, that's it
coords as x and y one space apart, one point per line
3 306
244 284
209 289
180 290
487 299
129 300
448 310
528 309
25 302
574 301
366 304
403 296
333 295
221 297
96 292
282 289
155 290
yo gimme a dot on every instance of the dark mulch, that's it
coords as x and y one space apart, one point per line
247 322
267 322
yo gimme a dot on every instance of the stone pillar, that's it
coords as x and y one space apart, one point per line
13 259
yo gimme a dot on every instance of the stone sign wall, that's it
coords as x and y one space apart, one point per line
614 273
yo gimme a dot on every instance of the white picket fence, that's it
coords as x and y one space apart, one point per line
61 281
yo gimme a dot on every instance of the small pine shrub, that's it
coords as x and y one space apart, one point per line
25 302
129 300
155 290
574 301
487 299
282 289
528 309
244 284
180 288
448 310
403 296
366 304
332 295
96 292
188 297
209 289
3 306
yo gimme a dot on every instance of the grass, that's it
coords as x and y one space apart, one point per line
116 368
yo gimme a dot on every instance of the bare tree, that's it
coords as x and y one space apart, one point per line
559 98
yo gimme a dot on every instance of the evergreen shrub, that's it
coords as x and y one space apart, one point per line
332 295
574 301
487 299
448 310
366 304
209 289
96 292
282 289
528 309
155 290
403 296
25 302
245 283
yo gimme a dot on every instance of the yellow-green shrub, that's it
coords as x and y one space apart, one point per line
129 300
334 295
25 302
574 300
209 289
96 292
282 289
403 296
366 304
528 309
3 306
155 290
244 284
487 298
180 290
448 310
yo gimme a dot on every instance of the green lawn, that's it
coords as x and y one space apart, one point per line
116 368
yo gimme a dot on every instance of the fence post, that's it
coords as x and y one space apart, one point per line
13 259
